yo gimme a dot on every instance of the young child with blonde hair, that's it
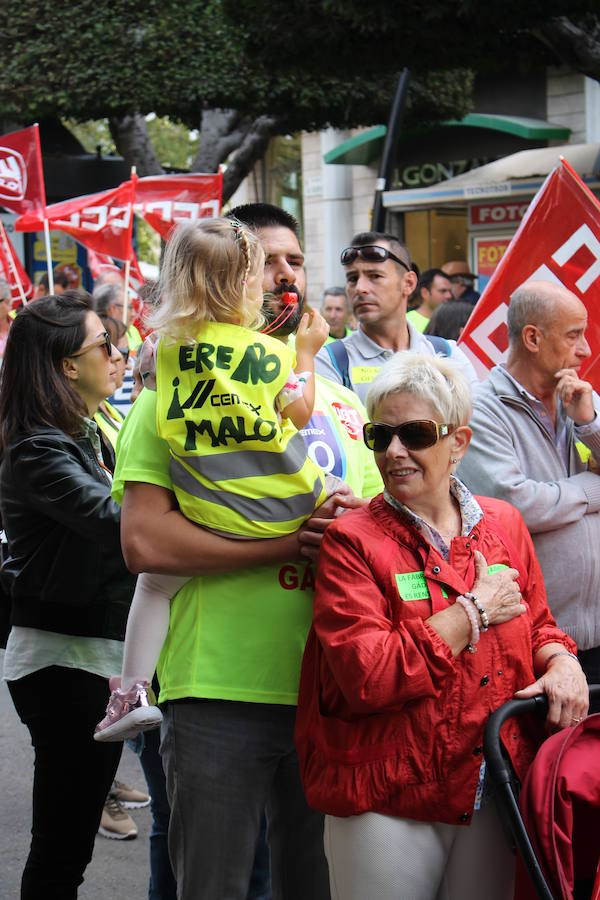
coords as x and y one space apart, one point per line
230 401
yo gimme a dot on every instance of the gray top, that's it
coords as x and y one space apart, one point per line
514 456
366 358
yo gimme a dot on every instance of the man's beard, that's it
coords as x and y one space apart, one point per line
274 309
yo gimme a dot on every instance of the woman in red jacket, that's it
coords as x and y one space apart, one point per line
430 612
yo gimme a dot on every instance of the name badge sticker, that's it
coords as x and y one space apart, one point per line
413 586
363 374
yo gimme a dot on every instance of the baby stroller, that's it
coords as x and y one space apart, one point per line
555 824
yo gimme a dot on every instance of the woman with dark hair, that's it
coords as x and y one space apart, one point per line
449 319
107 417
69 586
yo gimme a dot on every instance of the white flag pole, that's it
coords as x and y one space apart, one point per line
48 255
128 260
46 226
11 262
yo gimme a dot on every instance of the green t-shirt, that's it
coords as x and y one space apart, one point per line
331 338
241 635
419 321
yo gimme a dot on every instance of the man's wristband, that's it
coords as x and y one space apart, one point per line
561 653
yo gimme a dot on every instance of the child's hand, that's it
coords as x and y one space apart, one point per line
312 333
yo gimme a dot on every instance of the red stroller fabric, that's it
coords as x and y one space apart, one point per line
560 806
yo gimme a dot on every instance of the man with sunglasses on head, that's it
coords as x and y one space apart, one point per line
379 281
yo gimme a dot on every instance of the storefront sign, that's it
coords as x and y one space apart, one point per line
424 174
493 214
488 253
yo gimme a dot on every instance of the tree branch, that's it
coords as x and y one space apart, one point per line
252 148
133 142
575 43
221 131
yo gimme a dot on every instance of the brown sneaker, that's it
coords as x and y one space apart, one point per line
128 797
115 822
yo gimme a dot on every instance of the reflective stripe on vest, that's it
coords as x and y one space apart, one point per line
234 467
251 463
266 513
109 425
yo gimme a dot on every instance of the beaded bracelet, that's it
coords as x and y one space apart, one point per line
471 646
485 622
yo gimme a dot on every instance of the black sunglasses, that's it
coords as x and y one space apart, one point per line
415 435
105 342
370 253
124 353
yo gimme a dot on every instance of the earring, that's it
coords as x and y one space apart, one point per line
454 460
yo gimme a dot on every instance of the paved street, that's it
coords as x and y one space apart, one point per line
119 869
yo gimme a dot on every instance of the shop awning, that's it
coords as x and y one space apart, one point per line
519 174
366 147
360 150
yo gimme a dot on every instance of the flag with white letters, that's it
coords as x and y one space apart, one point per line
21 176
558 240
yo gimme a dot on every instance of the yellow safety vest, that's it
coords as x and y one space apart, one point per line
109 425
134 338
235 468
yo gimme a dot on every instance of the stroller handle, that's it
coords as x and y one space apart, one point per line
501 773
491 738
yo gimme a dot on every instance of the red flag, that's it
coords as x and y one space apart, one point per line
100 263
102 222
12 270
558 240
167 200
21 175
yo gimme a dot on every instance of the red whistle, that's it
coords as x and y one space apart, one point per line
288 298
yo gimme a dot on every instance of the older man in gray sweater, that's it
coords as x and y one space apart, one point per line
534 425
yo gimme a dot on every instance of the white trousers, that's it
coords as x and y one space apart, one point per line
376 857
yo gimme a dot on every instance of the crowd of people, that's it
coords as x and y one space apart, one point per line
348 554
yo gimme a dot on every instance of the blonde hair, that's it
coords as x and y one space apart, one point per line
434 379
204 277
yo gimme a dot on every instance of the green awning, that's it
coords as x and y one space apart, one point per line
366 147
360 150
530 129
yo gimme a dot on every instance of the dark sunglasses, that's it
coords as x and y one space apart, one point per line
415 435
370 253
124 353
105 342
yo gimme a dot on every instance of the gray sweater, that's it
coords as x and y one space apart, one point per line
513 457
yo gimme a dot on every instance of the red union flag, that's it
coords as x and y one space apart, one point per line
21 175
101 264
559 241
167 200
12 271
101 221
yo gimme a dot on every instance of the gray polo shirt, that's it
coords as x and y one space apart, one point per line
366 358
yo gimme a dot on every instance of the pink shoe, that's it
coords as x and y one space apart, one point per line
128 713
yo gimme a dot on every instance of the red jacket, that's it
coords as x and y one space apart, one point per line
388 720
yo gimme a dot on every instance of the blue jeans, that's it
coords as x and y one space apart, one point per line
260 880
226 763
162 883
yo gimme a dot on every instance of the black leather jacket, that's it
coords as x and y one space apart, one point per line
65 571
